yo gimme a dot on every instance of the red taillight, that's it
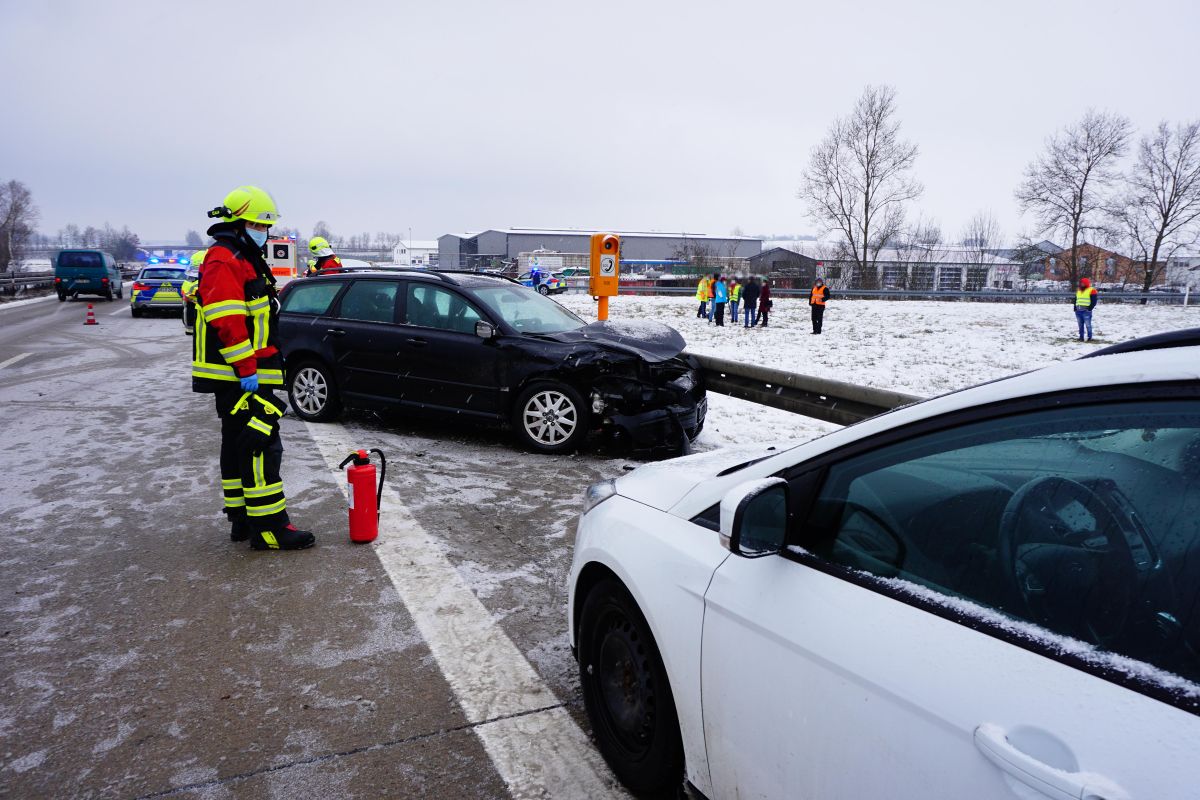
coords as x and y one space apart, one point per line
141 287
58 280
104 280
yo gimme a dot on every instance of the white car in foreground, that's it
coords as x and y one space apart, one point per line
992 594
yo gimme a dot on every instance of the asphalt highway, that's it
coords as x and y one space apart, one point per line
144 655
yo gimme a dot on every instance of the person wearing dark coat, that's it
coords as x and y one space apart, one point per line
764 301
817 299
750 297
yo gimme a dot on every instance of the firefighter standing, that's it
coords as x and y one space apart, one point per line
817 299
188 290
1085 300
325 259
236 359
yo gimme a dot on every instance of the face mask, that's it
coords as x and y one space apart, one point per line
259 237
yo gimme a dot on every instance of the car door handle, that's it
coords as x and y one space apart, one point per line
1048 780
415 342
335 331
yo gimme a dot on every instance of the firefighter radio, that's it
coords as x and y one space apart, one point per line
606 270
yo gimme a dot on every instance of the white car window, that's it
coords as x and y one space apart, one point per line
1081 523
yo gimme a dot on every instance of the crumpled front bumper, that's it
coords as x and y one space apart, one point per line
660 428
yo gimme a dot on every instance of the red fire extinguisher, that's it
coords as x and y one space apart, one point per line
364 497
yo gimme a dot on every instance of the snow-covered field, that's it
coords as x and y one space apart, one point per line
923 348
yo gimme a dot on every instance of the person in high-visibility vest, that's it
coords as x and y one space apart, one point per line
817 299
188 290
702 296
735 297
1085 300
236 358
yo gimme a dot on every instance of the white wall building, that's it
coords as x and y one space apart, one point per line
415 253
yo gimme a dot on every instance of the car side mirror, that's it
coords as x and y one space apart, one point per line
485 330
754 517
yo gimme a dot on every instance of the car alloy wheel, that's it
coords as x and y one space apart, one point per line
312 393
550 418
626 693
543 289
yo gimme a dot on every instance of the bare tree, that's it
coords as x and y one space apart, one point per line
1160 212
18 216
1065 186
919 248
193 239
858 179
322 229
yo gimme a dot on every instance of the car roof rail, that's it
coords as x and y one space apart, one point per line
1188 337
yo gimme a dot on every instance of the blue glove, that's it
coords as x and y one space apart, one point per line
250 383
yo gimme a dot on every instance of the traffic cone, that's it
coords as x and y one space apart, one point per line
91 317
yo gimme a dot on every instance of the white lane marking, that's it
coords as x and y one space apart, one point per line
14 360
538 754
118 311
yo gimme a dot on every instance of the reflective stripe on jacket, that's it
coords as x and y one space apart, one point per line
236 325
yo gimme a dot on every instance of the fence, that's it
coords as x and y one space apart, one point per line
650 288
13 282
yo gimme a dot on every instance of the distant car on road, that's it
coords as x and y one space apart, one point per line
548 282
991 594
157 288
468 346
79 272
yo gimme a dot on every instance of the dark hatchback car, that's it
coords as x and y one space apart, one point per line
485 348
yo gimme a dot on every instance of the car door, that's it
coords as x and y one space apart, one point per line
445 366
365 339
1001 607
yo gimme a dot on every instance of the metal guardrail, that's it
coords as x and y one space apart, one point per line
11 282
821 398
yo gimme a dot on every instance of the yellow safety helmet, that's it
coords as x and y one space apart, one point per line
198 258
319 246
249 203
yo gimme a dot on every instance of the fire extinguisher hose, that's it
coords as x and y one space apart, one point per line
382 474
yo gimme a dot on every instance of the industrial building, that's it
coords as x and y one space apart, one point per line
494 248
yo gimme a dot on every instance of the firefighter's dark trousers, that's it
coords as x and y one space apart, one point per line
250 462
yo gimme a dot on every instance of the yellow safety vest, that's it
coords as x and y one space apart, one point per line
1083 298
702 290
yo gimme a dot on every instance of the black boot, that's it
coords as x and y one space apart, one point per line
239 530
287 538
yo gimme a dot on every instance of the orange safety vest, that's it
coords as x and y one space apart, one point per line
818 296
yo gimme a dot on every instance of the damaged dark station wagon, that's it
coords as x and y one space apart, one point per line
484 348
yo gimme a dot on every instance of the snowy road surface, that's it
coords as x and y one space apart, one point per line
144 655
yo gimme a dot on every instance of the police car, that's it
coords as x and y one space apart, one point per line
547 283
158 285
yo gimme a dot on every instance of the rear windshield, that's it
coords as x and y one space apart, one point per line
80 260
163 274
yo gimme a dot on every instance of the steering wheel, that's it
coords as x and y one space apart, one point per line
1078 583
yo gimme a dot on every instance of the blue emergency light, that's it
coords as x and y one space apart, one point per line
153 260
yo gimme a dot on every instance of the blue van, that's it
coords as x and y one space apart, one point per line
79 272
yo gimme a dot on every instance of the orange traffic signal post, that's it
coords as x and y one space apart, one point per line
606 270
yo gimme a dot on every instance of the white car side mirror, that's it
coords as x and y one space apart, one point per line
754 517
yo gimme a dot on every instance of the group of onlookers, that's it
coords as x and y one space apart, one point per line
749 301
752 298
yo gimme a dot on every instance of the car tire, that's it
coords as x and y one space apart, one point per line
134 311
627 695
543 290
550 417
108 295
121 292
62 297
312 393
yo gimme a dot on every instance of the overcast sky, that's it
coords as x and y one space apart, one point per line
449 116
